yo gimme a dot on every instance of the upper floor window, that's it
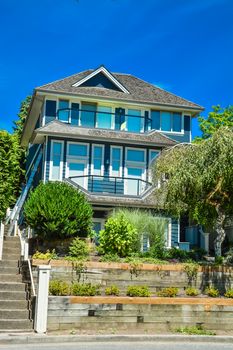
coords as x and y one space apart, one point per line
63 110
116 161
97 160
135 155
166 121
104 117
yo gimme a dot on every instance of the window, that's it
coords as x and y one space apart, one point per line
56 160
50 110
166 124
176 122
116 160
153 154
104 117
63 113
134 123
166 121
77 150
135 155
88 115
75 113
97 160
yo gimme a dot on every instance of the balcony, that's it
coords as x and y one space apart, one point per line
111 185
105 120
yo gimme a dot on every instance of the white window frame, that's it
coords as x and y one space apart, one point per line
150 162
121 159
112 116
171 131
92 159
142 119
134 164
78 159
61 160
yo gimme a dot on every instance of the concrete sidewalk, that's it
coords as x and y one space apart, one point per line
33 338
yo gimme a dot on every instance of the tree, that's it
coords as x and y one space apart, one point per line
10 171
57 210
23 112
216 119
199 181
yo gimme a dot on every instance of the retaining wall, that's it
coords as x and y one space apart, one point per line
158 314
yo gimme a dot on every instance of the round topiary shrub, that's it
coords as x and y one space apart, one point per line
57 210
78 248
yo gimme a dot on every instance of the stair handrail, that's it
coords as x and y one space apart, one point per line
24 254
2 226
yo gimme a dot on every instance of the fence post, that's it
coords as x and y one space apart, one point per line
42 299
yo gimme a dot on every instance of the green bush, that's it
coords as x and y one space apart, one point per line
170 292
110 258
85 289
149 225
57 210
229 293
57 287
229 256
212 292
191 270
112 290
179 254
118 237
138 291
191 292
49 255
78 248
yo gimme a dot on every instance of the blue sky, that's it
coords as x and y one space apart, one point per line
184 46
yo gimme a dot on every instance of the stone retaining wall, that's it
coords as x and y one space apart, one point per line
158 314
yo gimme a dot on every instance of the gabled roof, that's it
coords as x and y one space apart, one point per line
130 88
57 128
107 74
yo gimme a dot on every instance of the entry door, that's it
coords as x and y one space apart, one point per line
78 168
132 186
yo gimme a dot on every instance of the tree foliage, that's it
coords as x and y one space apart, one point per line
10 171
23 112
216 119
199 181
57 210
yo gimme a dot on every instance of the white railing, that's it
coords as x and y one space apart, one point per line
24 235
1 239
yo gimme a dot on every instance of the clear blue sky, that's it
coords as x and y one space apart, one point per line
184 46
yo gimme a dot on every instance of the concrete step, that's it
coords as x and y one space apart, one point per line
9 270
13 304
11 239
12 286
14 314
12 295
19 324
11 256
10 277
9 263
11 244
11 250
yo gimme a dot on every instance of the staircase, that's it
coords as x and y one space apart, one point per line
14 313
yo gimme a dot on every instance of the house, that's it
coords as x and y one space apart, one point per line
100 131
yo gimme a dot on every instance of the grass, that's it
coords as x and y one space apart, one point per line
194 330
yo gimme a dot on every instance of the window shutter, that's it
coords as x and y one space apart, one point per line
187 123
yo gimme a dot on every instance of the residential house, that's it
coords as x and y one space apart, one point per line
100 131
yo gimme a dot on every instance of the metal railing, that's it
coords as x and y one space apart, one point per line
113 185
92 119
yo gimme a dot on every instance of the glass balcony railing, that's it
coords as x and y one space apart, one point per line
105 120
111 185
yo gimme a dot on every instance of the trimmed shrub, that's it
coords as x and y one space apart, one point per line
112 290
59 288
110 258
138 291
229 293
85 289
191 292
57 210
118 237
212 292
170 292
78 248
49 255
